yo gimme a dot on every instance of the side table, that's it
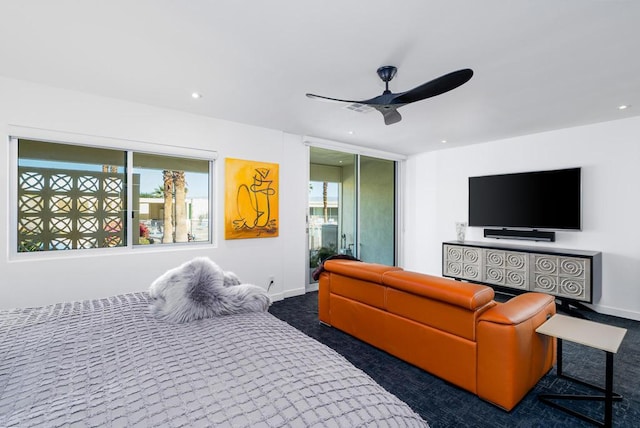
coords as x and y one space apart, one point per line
589 333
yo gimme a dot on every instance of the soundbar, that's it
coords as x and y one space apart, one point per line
526 235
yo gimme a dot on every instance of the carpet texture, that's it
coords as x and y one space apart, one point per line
445 405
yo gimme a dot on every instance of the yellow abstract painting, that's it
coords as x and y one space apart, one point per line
251 199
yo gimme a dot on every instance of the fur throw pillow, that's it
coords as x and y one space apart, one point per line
200 289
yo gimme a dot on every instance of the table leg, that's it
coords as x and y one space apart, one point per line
559 357
608 395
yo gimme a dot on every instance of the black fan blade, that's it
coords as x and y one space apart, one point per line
390 113
321 98
385 99
435 87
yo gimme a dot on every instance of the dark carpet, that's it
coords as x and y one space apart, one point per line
444 405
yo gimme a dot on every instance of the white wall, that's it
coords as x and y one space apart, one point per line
435 198
609 154
36 282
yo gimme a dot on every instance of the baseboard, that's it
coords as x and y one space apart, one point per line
621 313
289 293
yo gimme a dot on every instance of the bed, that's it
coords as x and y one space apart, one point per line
109 362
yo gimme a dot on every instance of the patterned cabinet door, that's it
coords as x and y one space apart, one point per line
561 276
462 262
506 268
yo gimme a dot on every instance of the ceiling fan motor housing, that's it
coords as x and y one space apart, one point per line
387 72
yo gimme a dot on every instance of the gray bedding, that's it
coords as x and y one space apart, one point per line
108 362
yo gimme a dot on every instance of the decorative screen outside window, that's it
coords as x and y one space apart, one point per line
171 199
72 197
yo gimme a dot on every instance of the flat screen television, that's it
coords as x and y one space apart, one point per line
528 200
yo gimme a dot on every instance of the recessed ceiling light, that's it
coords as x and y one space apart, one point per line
350 132
443 141
623 107
196 95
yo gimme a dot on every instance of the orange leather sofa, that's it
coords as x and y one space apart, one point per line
454 330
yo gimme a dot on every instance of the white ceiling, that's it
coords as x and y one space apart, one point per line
539 64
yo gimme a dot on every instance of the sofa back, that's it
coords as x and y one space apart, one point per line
360 281
372 272
354 280
441 303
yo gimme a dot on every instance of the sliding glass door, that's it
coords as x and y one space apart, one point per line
377 211
351 207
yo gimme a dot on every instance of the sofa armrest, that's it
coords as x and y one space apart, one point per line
512 357
518 309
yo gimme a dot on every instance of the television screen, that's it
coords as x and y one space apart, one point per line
531 200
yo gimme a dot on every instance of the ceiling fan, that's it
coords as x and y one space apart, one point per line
388 103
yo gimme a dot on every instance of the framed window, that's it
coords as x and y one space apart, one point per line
170 199
79 197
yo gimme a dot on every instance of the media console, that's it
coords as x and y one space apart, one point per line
574 275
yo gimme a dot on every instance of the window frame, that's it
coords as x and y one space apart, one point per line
129 147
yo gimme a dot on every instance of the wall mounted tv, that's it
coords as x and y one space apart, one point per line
530 200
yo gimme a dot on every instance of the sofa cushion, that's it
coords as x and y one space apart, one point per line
437 314
463 294
446 355
358 290
366 271
360 320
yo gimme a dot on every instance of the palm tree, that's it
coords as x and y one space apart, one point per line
325 204
167 236
181 217
158 192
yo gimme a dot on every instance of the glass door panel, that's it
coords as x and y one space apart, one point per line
377 211
332 205
351 208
